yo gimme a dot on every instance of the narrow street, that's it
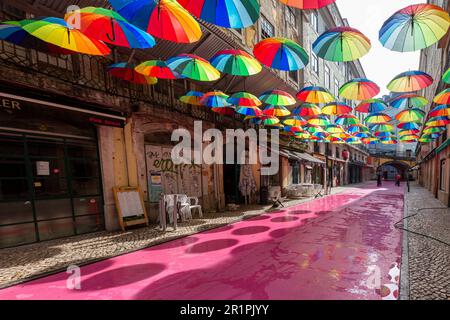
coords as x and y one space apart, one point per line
343 246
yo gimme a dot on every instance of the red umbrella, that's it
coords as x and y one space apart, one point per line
307 4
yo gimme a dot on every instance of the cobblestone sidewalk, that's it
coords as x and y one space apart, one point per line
428 259
35 260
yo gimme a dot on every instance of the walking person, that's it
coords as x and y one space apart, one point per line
379 179
398 177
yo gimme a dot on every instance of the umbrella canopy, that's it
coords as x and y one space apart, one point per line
358 127
192 97
225 111
224 13
377 118
57 32
244 99
408 101
408 132
410 81
236 62
409 137
157 69
408 125
414 28
341 44
193 67
110 27
370 141
347 120
321 120
382 127
429 130
361 135
312 129
281 53
426 139
382 134
443 97
307 4
438 122
315 94
295 121
253 119
442 110
277 98
334 128
410 115
164 19
353 140
389 141
359 89
307 110
270 121
336 109
446 76
276 111
249 111
432 136
215 99
371 106
126 72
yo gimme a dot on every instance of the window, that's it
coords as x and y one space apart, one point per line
295 173
315 21
336 87
327 78
314 63
267 29
443 176
290 16
294 76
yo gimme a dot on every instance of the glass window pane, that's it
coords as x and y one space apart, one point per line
17 235
85 187
55 208
81 149
84 168
53 168
15 212
91 205
89 224
46 148
50 187
11 167
11 147
55 229
13 189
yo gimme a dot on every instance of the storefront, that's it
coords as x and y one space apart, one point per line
50 176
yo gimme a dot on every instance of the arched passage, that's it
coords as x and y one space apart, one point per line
392 168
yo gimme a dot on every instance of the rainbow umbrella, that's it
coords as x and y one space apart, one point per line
12 31
381 127
303 135
292 129
312 129
270 121
253 120
361 135
334 128
236 62
225 111
429 130
426 139
353 140
295 121
381 134
370 141
409 137
315 94
224 13
347 120
126 72
407 132
281 53
443 97
277 98
359 89
57 32
341 44
410 115
307 4
336 108
389 141
410 81
244 99
371 106
193 67
215 99
432 136
408 125
377 118
192 97
307 110
358 127
442 110
446 76
165 19
110 27
335 140
157 69
249 111
321 120
414 28
276 111
438 122
408 101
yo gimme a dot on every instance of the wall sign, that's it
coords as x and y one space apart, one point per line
42 168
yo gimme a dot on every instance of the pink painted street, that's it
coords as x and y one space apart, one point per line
323 249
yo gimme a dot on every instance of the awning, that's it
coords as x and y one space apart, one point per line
307 157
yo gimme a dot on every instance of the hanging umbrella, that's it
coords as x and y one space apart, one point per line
157 69
315 94
253 120
442 110
322 121
307 110
295 121
353 140
249 111
235 14
312 129
407 132
347 120
225 111
192 97
126 72
389 141
361 135
358 127
244 99
438 122
110 27
236 62
432 136
270 121
410 137
377 118
382 134
334 128
277 98
410 115
446 76
414 28
193 67
341 44
426 139
12 31
370 141
336 109
443 97
335 140
281 53
429 130
292 129
57 32
303 135
408 125
165 19
307 4
382 127
410 81
359 89
408 101
371 106
276 111
215 99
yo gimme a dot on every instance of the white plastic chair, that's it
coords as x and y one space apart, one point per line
187 205
195 206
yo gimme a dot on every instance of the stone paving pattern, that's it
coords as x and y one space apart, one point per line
35 260
429 260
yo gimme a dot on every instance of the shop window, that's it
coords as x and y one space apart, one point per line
443 176
267 29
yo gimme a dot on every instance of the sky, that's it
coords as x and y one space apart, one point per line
380 64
